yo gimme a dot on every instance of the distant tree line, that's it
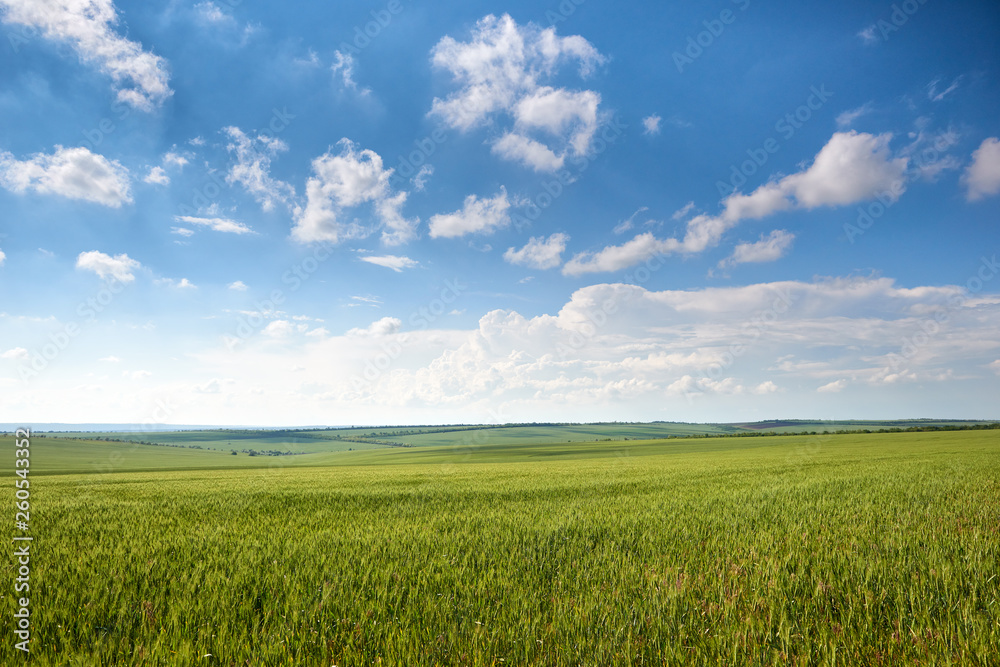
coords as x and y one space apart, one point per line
250 452
894 429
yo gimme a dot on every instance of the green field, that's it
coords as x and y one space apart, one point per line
311 441
878 549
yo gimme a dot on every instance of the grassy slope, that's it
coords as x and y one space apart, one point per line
316 441
63 456
879 549
796 426
311 441
225 441
67 456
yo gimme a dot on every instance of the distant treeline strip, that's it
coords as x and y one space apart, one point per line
250 452
372 440
894 429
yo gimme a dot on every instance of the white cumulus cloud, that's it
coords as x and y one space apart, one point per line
768 249
615 258
614 349
651 124
527 151
279 329
767 387
157 176
561 112
90 27
175 159
539 252
477 216
382 327
211 13
503 72
833 387
851 167
183 283
344 181
982 177
119 267
74 173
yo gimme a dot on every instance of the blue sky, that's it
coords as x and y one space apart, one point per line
394 212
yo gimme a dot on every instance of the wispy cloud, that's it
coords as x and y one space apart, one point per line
846 118
252 169
934 95
851 167
629 222
394 262
768 249
139 77
343 69
216 224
